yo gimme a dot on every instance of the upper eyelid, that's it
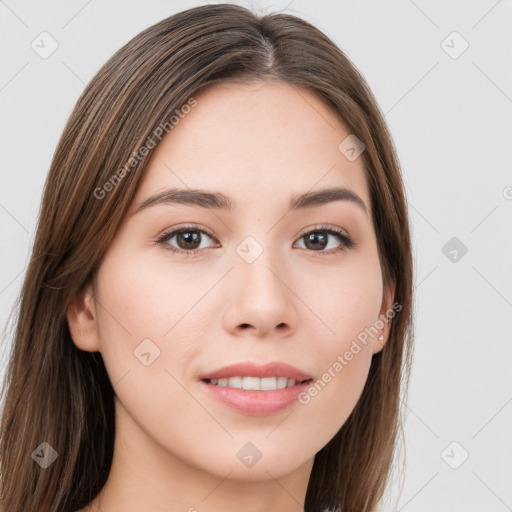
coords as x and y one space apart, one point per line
184 228
317 227
341 232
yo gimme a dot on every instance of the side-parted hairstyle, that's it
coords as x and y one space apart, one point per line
58 394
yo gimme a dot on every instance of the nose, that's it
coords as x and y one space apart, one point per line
261 302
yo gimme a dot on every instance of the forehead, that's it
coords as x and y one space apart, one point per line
252 141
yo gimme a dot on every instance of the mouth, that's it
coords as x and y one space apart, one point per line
256 375
255 402
256 390
252 383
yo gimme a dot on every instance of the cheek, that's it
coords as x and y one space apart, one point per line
146 307
148 299
149 330
347 307
346 301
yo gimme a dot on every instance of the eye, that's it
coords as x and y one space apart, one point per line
188 239
317 240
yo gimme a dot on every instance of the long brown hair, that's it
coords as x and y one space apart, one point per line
57 394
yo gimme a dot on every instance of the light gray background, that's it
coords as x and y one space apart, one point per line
451 122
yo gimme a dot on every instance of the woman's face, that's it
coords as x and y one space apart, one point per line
265 284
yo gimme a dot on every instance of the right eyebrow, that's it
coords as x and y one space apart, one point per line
195 197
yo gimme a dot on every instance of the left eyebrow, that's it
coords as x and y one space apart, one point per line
328 195
218 201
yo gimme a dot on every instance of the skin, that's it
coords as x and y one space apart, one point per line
176 447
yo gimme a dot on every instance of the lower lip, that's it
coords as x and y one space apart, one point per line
253 402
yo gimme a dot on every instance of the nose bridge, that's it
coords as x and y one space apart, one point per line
259 264
259 250
260 295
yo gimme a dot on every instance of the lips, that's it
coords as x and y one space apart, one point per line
248 369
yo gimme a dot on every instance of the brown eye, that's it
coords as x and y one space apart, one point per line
316 240
187 240
319 239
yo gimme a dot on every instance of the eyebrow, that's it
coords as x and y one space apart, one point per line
218 201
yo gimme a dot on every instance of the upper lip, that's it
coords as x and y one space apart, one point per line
248 369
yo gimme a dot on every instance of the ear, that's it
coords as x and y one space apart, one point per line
82 320
385 315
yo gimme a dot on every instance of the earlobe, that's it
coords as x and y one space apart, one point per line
384 320
82 320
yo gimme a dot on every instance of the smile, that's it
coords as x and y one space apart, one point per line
254 383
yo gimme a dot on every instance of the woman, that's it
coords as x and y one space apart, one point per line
217 313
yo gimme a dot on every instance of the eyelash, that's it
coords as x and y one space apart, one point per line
346 241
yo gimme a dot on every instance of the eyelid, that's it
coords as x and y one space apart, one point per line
346 240
324 227
177 229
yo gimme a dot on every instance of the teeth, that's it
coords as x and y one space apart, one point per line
254 383
281 382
